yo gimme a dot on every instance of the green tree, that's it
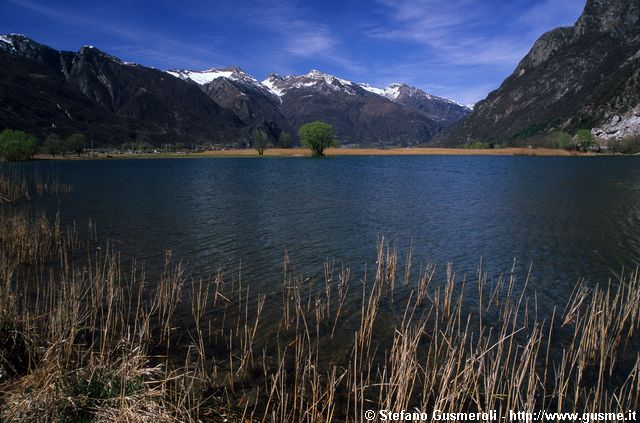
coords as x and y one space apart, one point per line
76 143
630 145
260 140
479 145
53 144
17 145
284 141
585 140
562 140
317 136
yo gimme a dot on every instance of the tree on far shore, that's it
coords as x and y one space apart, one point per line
585 139
260 140
317 136
76 143
284 141
53 145
562 140
17 145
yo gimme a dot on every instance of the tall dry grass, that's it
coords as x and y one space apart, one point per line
86 337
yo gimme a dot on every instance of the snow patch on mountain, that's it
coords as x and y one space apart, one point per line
271 84
329 79
201 77
392 91
6 43
371 89
313 80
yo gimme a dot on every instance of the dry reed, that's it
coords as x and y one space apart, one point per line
83 335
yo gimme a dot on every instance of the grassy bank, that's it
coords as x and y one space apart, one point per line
87 335
304 152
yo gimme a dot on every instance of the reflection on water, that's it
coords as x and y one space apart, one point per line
570 218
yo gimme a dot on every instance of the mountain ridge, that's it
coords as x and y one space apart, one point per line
90 91
129 102
583 76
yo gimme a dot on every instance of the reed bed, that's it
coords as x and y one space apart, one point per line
16 187
84 337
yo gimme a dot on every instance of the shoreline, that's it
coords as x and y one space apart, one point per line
335 152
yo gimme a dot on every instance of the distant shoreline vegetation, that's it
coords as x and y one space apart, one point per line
16 145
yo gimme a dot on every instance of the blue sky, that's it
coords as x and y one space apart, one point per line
460 49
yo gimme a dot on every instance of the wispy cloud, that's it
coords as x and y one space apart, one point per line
466 36
299 35
142 43
458 31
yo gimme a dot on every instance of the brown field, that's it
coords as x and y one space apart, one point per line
293 152
304 152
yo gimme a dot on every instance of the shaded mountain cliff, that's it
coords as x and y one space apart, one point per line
584 76
89 91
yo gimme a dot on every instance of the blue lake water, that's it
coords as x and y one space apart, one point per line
567 217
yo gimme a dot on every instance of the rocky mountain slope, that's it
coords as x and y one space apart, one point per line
584 76
358 116
45 90
358 112
441 110
251 101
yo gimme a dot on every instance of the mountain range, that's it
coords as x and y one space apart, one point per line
583 76
359 113
90 91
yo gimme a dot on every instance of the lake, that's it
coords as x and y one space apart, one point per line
281 342
566 217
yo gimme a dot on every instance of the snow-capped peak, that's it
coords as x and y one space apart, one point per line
392 91
209 75
371 89
8 38
329 79
6 43
272 84
313 80
201 77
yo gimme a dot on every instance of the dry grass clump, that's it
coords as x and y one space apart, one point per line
15 187
84 338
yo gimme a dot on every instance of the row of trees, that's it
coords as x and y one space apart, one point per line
260 140
19 145
585 141
56 145
317 136
582 141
